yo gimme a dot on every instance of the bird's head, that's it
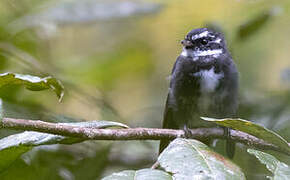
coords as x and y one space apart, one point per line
203 42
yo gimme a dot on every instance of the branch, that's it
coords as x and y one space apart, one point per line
135 133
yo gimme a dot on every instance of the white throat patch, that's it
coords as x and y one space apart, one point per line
196 54
209 79
208 52
184 53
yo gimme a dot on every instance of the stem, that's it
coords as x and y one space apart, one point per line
135 133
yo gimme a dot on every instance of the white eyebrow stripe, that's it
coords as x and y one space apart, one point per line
197 36
218 40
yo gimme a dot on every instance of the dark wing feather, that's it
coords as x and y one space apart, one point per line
168 123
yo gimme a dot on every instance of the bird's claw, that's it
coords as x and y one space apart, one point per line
187 132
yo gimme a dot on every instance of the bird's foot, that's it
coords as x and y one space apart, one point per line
187 132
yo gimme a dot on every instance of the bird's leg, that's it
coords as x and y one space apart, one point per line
227 132
187 132
230 145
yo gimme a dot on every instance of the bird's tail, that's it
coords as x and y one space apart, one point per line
163 144
230 148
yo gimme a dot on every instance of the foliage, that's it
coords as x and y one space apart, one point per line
186 159
279 169
113 59
33 83
253 129
13 146
140 174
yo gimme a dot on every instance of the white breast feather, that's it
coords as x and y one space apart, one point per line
209 80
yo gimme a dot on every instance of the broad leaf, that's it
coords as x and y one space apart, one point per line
85 160
253 129
280 170
142 174
33 83
13 146
191 159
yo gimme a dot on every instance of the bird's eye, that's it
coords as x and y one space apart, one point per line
204 42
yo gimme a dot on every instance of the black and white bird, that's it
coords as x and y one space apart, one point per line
204 82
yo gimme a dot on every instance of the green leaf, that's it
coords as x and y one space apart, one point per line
13 146
142 174
97 124
33 83
253 129
86 160
191 159
280 170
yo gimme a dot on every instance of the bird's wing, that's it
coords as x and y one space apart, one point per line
168 120
168 123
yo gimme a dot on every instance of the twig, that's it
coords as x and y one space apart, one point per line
135 133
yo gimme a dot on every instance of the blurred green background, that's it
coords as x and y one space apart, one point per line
114 59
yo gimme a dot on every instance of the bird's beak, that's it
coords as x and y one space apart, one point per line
186 43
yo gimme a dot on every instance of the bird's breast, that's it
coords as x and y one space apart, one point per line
208 80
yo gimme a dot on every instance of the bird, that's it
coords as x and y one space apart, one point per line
204 82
